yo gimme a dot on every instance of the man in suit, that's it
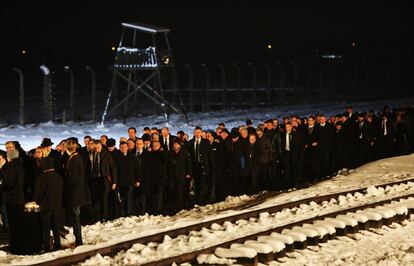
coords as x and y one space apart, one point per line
326 134
386 135
179 169
290 155
102 180
141 190
202 165
166 139
55 155
74 189
312 150
156 171
128 177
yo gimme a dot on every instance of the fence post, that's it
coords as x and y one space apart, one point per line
309 79
268 83
321 77
47 94
93 91
239 93
21 95
254 91
223 84
71 92
282 79
64 116
206 104
191 87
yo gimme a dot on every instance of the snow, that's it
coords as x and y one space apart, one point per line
283 238
358 216
322 231
235 252
259 247
31 135
334 222
328 227
348 220
390 245
309 232
296 235
213 259
372 216
276 244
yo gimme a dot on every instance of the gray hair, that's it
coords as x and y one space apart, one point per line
12 154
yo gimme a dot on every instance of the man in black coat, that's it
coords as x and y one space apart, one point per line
362 140
326 134
263 159
290 156
102 179
74 189
48 195
127 178
219 185
114 201
226 144
54 154
312 151
252 163
203 165
179 169
156 171
386 136
11 186
166 139
142 189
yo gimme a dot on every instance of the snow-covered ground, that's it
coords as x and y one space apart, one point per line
390 245
122 229
30 136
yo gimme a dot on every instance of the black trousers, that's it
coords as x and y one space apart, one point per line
50 222
289 173
201 184
99 198
73 215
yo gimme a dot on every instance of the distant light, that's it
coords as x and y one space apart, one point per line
332 56
269 46
23 51
353 44
113 48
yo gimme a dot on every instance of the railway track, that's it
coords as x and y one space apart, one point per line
253 241
246 215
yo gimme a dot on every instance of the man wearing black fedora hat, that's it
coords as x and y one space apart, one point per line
53 154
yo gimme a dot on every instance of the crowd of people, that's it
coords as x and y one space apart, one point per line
156 172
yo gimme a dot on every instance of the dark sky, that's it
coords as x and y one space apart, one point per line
83 32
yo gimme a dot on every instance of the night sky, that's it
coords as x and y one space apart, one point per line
74 32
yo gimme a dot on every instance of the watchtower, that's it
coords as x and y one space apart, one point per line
144 65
